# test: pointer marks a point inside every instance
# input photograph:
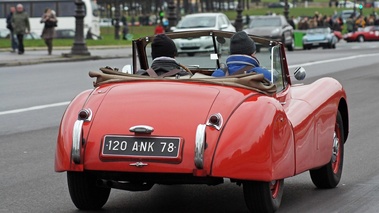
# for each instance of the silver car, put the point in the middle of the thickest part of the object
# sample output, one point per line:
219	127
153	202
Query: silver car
272	27
200	21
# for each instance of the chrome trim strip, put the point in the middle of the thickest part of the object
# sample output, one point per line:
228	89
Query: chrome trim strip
76	141
141	129
199	146
138	164
219	116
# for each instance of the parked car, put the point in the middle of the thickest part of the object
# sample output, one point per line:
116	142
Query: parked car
64	33
32	36
200	21
105	22
345	14
369	33
272	27
319	37
347	4
279	5
4	33
131	132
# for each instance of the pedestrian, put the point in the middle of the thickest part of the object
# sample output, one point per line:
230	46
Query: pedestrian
50	22
11	31
350	23
292	22
159	29
21	26
125	27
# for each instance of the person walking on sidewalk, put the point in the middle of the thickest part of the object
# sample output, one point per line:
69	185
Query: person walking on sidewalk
50	22
21	25
11	31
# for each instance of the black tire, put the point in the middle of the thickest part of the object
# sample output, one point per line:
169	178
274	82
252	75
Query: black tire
291	46
263	196
329	175
361	38
84	193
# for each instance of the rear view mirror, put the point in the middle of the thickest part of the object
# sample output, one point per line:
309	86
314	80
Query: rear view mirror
300	73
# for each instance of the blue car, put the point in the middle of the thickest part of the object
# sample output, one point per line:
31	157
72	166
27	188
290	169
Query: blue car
319	37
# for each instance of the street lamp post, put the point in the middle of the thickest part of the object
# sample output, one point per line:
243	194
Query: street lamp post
238	22
79	47
171	15
286	11
117	21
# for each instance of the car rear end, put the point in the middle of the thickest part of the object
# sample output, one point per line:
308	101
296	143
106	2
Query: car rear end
141	131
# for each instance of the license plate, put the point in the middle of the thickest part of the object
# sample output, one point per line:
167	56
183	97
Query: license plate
189	45
141	146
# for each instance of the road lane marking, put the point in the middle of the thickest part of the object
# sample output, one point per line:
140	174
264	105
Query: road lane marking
34	108
333	60
292	66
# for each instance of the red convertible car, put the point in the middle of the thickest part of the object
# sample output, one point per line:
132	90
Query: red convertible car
131	132
369	33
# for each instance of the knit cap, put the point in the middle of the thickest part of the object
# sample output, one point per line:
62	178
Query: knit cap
241	43
163	46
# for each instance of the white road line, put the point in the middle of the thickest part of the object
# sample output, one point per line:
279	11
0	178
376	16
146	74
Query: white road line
292	66
333	60
34	108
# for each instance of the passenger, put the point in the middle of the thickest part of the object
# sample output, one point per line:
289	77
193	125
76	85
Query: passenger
242	58
163	52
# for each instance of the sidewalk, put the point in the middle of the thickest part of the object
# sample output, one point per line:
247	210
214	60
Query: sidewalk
39	55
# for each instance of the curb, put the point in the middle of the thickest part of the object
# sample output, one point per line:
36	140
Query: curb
69	48
57	60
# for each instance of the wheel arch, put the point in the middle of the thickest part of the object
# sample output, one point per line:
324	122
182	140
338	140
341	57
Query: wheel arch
342	107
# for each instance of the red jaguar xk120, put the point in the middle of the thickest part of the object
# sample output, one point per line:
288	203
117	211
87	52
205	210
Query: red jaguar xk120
132	131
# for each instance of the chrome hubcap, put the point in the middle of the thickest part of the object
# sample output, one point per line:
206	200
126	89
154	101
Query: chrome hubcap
335	148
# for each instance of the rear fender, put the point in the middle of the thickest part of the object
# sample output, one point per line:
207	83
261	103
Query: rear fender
64	141
256	143
64	161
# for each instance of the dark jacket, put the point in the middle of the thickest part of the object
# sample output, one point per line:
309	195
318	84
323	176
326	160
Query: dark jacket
237	62
9	21
163	65
20	22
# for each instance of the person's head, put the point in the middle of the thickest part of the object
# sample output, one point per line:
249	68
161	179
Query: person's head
20	8
242	44
163	46
13	9
47	10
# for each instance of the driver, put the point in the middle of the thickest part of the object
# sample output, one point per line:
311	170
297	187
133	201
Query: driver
242	59
163	52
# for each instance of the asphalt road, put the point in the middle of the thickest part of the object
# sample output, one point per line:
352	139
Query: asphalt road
33	99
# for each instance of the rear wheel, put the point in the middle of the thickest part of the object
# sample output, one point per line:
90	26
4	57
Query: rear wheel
84	192
329	175
263	196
